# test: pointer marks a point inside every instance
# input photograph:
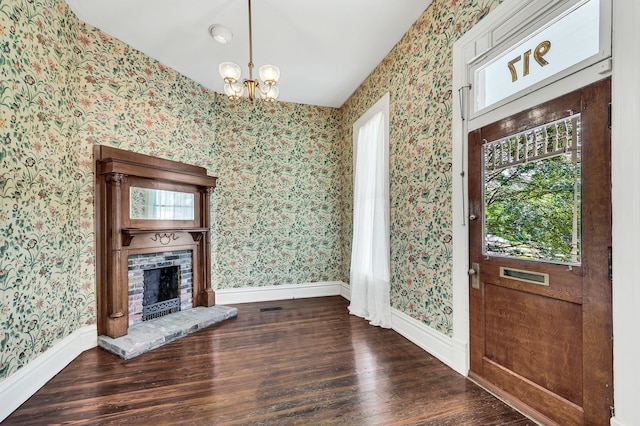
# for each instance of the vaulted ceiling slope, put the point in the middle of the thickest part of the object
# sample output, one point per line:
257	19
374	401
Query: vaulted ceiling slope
324	48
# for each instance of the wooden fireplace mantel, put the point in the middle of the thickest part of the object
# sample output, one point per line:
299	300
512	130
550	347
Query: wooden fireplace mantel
118	235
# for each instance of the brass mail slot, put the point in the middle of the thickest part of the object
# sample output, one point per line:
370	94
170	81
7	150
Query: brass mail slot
525	276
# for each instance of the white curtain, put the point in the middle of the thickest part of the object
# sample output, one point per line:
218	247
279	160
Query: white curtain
369	278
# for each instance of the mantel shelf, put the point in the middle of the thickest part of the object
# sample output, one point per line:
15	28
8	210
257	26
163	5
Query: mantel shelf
129	233
138	231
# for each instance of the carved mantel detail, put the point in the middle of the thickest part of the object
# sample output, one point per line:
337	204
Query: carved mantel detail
115	178
164	238
119	235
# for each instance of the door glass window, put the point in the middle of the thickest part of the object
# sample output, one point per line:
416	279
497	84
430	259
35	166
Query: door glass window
532	193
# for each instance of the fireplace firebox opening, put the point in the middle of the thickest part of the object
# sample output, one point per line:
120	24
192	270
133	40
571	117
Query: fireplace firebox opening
159	283
161	294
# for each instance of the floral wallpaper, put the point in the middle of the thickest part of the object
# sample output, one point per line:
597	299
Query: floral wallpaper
418	75
282	211
46	233
278	194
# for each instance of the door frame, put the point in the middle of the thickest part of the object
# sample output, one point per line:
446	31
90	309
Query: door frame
468	51
625	157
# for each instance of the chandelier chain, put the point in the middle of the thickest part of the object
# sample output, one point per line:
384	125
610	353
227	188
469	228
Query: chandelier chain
250	45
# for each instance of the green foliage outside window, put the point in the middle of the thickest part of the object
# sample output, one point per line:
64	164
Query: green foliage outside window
530	209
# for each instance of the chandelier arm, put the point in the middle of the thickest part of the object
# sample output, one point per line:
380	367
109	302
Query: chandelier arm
262	91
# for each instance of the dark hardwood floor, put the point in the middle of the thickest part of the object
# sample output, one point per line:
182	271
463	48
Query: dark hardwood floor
308	362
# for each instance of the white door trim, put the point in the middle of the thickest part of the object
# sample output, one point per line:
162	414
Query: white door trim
495	31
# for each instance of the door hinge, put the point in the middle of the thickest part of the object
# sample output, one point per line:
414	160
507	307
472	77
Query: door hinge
610	260
612	411
609	115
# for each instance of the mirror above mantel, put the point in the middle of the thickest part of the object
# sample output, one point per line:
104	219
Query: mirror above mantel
147	204
160	204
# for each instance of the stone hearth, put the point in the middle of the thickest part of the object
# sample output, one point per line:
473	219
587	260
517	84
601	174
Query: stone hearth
148	335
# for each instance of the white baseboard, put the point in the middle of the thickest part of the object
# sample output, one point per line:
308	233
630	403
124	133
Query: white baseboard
345	291
20	386
230	296
450	351
459	356
616	422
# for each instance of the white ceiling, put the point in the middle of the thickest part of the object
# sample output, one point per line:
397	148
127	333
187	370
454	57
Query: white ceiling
324	48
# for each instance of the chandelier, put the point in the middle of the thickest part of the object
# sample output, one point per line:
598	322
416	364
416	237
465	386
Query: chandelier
269	74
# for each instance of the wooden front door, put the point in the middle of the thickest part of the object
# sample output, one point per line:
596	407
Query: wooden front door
540	242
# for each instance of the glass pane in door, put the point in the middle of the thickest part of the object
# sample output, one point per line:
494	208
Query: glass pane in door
532	193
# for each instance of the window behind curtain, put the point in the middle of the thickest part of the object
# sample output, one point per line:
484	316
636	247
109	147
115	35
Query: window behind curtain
369	278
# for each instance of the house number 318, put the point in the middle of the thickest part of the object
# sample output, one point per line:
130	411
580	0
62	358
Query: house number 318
541	50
